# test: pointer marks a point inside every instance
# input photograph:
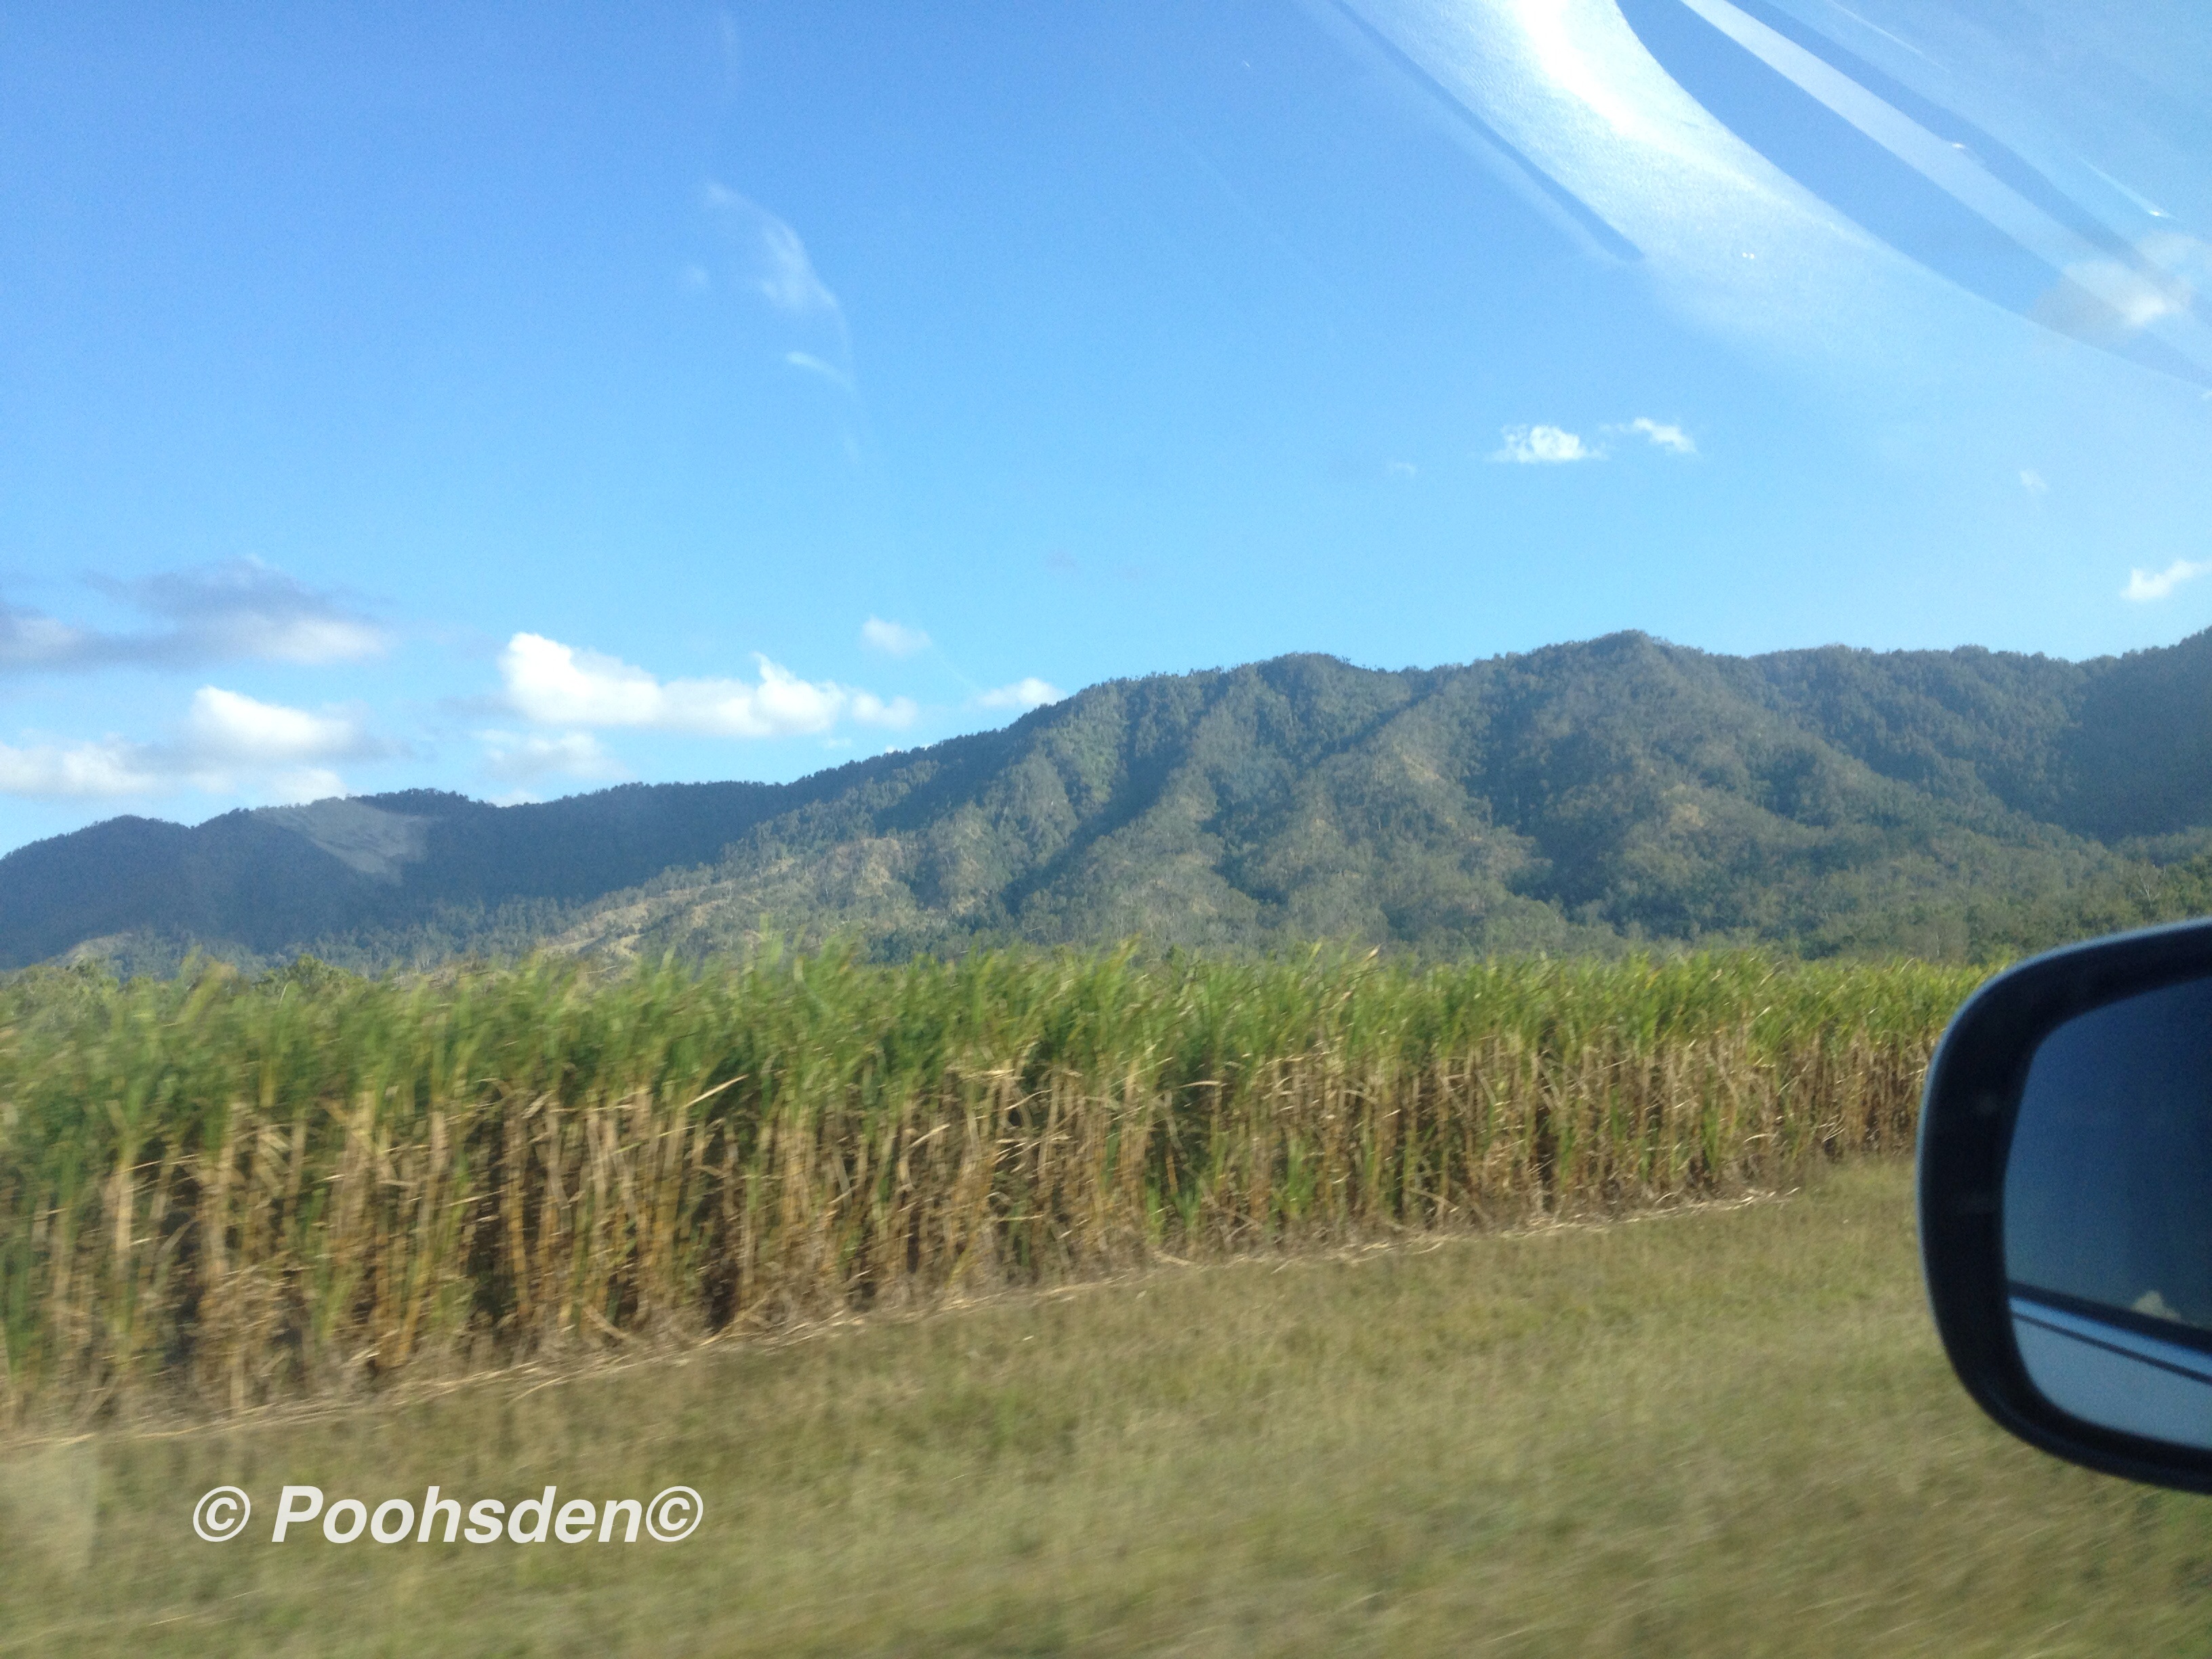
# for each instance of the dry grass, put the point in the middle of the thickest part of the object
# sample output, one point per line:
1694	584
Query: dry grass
214	1195
1728	1431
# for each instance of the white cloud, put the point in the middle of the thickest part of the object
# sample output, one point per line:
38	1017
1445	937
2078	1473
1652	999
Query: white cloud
777	265
248	609
525	757
308	640
556	684
2144	587
1670	438
2032	482
29	640
763	259
814	365
1538	445
1401	468
240	611
1024	693
788	278
110	767
229	727
227	742
892	639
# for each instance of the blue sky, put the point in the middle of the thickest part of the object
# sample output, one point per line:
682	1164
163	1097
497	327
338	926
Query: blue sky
521	399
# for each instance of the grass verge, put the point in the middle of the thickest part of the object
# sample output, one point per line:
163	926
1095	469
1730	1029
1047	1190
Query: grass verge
1722	1431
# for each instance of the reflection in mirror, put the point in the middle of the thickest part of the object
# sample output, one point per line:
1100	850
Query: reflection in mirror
2108	1216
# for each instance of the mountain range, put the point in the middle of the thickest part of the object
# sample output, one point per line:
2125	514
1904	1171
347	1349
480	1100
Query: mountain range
1601	795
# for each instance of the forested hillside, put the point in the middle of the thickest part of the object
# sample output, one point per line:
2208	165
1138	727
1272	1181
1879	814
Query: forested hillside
1960	804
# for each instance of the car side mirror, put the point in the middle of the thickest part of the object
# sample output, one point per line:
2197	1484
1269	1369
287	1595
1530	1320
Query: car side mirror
2065	1198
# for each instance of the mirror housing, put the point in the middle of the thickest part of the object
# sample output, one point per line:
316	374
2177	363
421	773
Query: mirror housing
1977	1084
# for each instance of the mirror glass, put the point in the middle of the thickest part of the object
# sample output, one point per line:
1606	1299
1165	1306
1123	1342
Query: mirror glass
2107	1214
